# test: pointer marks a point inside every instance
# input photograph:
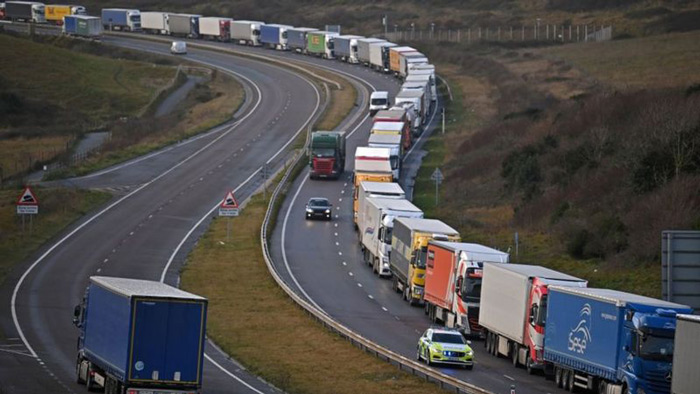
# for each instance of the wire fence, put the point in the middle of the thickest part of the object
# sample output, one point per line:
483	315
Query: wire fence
543	33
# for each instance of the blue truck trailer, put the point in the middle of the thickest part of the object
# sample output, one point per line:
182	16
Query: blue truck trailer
296	38
274	36
121	19
139	336
610	341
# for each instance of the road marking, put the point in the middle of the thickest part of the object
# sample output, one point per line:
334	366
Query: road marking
508	377
351	274
336	234
337	244
384	309
344	263
340	253
340	199
131	233
370	296
224	370
106	260
98	270
336	225
359	284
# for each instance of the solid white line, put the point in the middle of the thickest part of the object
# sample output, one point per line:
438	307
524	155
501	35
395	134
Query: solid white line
224	370
13	301
437	105
16	352
508	377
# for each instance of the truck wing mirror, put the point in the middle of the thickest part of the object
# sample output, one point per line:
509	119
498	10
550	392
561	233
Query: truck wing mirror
76	315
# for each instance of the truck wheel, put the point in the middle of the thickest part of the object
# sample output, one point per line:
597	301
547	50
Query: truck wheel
78	379
557	376
89	381
528	364
514	354
565	379
572	380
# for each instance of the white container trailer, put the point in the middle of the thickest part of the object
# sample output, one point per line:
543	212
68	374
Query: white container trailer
429	69
686	379
393	143
422	86
246	32
408	59
363	49
155	22
417	99
379	55
376	223
215	28
423	78
367	189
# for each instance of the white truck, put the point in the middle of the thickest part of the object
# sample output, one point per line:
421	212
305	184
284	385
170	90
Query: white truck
369	188
408	59
215	28
378	101
425	69
363	49
420	86
686	379
379	55
246	32
155	22
416	98
345	48
393	143
376	225
411	118
423	78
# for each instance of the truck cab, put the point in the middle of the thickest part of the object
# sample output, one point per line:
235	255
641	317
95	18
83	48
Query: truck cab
378	101
327	156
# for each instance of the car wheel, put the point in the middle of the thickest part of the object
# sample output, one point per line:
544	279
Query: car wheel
418	354
427	357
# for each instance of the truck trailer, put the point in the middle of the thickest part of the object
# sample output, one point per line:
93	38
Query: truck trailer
453	283
215	28
420	86
610	341
376	224
417	100
121	19
275	36
345	48
55	13
686	347
139	336
429	69
82	26
407	59
379	55
367	189
393	143
363	49
371	164
246	32
184	25
513	309
155	22
427	80
393	128
327	156
395	60
297	38
25	11
409	246
320	43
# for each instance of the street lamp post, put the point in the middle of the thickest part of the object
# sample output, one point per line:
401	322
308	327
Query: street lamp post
432	30
537	32
413	30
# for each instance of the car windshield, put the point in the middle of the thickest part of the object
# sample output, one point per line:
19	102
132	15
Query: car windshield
448	338
378	101
318	202
654	347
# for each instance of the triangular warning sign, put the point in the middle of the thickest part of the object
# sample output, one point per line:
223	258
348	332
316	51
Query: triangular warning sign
27	198
229	201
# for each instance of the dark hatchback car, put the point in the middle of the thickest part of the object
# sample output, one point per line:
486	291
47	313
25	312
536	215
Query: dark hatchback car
319	208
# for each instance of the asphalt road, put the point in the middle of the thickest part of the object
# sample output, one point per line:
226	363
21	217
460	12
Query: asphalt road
143	233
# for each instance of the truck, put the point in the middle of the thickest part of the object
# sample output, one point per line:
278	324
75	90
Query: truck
274	36
393	143
55	13
417	100
394	57
429	69
138	336
320	43
393	128
246	32
297	40
686	347
453	283
2	11
425	79
363	49
611	341
420	86
367	189
407	59
82	26
346	48
513	310
371	164
155	22
25	11
215	28
121	19
403	112
376	224
184	25
409	246
379	55
327	155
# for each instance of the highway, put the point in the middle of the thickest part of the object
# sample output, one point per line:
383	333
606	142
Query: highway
160	201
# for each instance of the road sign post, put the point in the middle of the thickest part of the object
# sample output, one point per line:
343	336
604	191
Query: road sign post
437	177
228	208
27	204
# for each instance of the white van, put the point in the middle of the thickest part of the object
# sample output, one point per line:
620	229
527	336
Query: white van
378	101
178	48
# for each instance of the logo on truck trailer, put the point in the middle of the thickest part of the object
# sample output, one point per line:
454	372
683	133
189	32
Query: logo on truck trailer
580	335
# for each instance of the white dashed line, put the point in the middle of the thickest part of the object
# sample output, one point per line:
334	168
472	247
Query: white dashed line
105	260
359	285
508	377
336	225
131	233
98	270
344	263
340	199
340	253
337	244
351	274
336	234
370	296
342	192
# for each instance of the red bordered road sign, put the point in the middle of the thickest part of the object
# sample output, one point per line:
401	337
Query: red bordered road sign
229	206
27	203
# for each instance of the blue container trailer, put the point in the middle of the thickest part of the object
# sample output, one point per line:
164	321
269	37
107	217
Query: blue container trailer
274	36
296	38
121	19
138	335
610	341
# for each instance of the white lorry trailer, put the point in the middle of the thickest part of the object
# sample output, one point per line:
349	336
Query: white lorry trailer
363	49
246	32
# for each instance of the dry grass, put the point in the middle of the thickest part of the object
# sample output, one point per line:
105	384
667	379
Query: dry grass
664	61
251	318
19	154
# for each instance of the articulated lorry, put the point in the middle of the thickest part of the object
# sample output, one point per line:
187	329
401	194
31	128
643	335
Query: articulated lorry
155	22
513	310
215	28
297	38
393	143
367	189
184	25
403	113
422	86
408	59
391	127
246	32
395	57
363	49
25	11
55	13
139	337
409	246
424	69
82	26
423	78
274	36
686	347
373	165
346	48
611	342
320	43
453	283
379	55
376	224
121	19
327	156
417	100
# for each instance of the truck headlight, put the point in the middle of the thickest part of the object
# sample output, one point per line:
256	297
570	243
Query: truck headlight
386	265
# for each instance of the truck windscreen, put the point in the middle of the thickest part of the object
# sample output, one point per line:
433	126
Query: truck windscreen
320	152
654	347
